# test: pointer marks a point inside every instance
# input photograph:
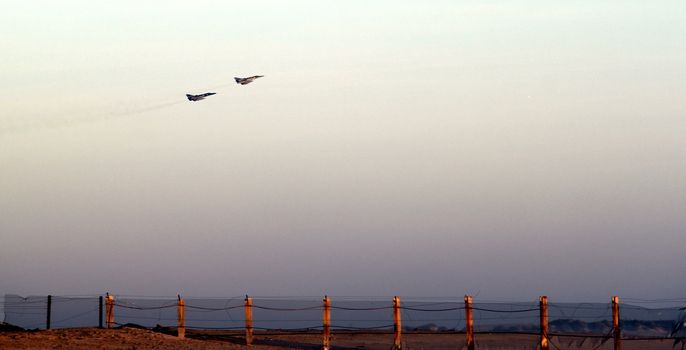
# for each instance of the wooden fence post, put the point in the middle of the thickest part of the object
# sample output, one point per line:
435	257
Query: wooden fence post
109	310
181	313
100	311
326	333
47	318
248	320
616	331
469	321
543	305
397	325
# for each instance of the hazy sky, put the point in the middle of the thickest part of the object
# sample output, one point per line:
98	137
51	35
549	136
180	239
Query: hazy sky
426	148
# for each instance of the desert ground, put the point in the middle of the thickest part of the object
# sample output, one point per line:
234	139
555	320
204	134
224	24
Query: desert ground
139	339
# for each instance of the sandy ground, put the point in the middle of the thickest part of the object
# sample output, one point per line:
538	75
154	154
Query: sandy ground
131	338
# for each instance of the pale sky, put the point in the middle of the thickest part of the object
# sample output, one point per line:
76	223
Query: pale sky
426	148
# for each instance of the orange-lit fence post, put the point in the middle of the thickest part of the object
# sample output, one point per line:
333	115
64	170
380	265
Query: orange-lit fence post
248	320
469	321
543	305
181	313
616	331
397	325
109	310
326	332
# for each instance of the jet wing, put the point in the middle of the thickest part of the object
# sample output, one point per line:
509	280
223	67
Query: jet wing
248	80
199	97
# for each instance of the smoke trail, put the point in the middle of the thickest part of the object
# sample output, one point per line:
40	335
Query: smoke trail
143	109
28	126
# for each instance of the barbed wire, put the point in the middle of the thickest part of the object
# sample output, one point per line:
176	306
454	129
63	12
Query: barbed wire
75	316
214	309
361	308
410	308
145	307
504	311
318	307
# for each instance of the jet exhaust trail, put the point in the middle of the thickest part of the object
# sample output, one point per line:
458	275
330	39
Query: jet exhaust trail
27	126
67	122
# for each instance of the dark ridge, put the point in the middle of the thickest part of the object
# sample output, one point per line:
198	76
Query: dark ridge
6	327
164	330
131	325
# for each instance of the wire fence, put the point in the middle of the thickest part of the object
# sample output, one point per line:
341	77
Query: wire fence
567	325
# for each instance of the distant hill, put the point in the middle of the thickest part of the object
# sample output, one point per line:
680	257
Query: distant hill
629	327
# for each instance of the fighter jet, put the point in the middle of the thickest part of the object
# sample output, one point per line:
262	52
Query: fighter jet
248	80
199	97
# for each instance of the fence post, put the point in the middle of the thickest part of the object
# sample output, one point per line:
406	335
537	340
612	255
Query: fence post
469	321
47	319
397	325
100	311
326	333
109	310
181	313
543	305
616	331
248	320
